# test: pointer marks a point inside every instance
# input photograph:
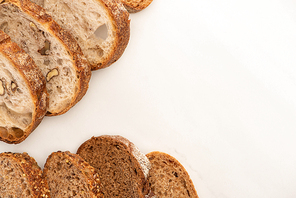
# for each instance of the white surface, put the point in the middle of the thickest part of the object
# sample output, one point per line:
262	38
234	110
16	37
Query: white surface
213	83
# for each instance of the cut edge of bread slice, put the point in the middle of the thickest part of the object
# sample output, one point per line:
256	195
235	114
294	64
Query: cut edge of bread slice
20	176
23	95
101	27
68	175
168	178
52	48
134	6
120	165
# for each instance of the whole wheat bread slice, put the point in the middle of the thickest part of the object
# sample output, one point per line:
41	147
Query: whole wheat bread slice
23	96
68	175
101	27
52	48
168	178
122	168
134	6
20	176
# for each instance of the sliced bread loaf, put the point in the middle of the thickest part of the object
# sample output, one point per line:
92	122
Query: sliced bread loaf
134	6
168	178
68	175
23	96
101	27
122	168
53	49
20	176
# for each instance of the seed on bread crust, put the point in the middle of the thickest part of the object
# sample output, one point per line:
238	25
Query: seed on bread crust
54	72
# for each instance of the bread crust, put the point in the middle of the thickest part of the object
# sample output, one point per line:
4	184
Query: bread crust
140	161
136	5
83	70
174	163
33	78
93	182
121	26
31	171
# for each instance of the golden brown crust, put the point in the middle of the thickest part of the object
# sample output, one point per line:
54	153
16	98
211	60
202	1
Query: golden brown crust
136	5
173	163
121	26
31	171
83	70
34	79
88	172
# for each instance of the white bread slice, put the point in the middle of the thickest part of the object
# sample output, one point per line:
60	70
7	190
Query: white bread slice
168	178
134	6
68	175
122	168
20	176
53	49
23	96
101	27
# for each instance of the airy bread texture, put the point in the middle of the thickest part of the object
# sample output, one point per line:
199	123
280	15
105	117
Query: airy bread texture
134	6
23	96
68	175
101	27
20	176
53	49
122	168
168	178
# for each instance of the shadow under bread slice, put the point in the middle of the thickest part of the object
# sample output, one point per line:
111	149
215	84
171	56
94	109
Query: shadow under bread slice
20	176
53	49
168	178
122	168
23	96
68	175
101	27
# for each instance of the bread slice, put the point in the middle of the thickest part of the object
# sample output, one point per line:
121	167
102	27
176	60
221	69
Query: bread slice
20	176
134	6
168	178
101	27
23	96
53	49
68	175
122	168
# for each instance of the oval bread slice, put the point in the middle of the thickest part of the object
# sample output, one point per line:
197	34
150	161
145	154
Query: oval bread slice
23	96
134	6
101	27
20	176
52	48
68	175
168	178
122	168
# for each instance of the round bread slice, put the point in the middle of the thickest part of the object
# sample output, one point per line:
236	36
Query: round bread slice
101	27
68	175
52	48
20	176
23	96
122	168
168	178
134	6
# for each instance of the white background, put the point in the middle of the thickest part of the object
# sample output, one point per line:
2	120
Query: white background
213	83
